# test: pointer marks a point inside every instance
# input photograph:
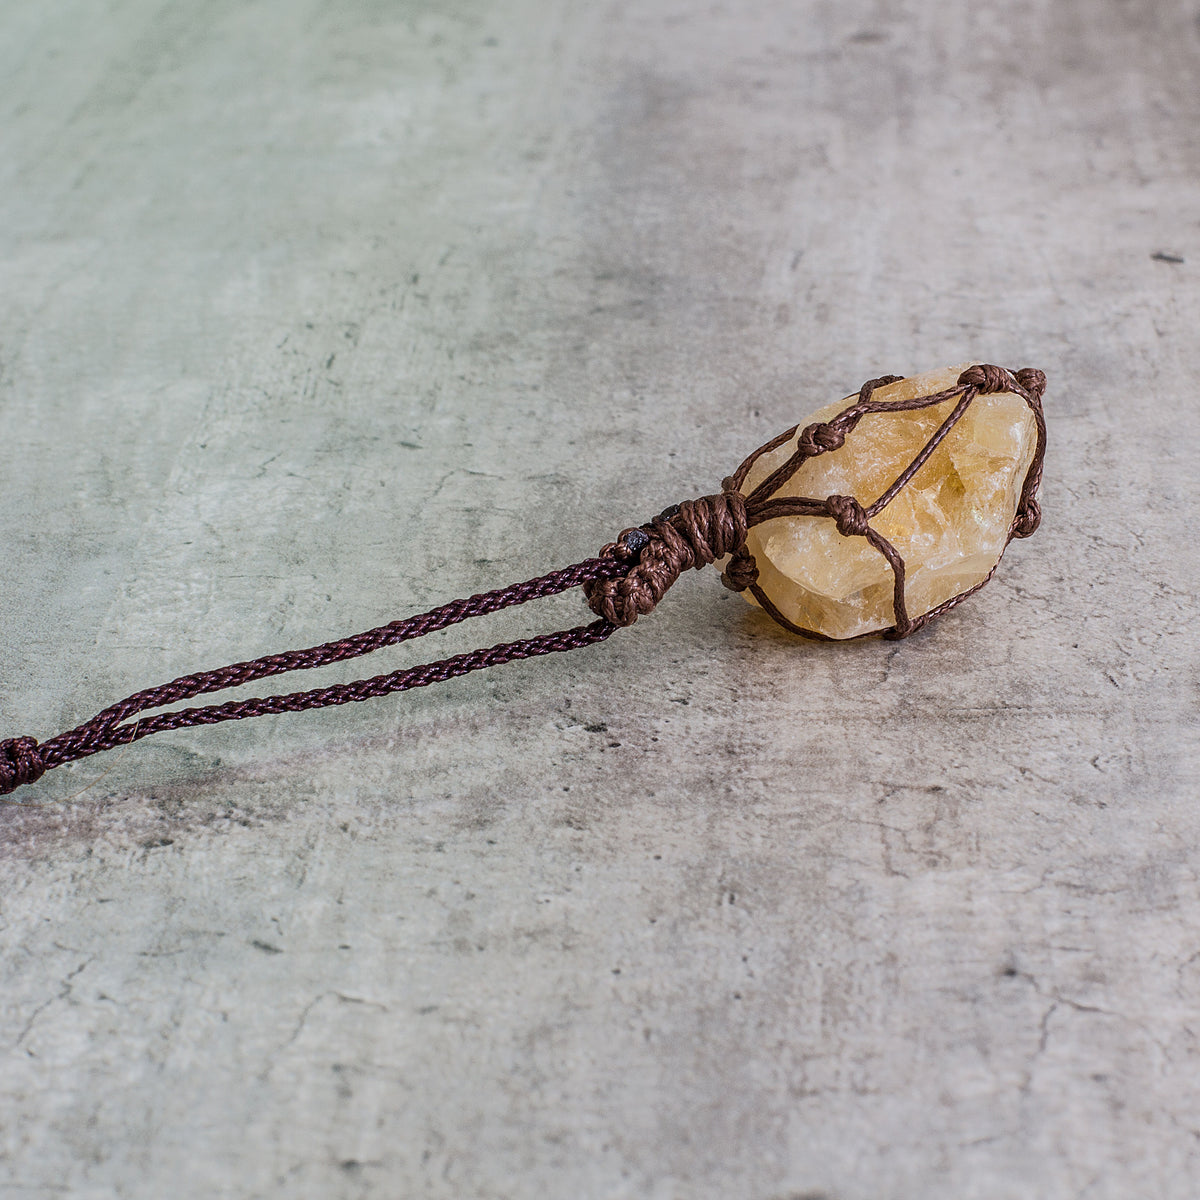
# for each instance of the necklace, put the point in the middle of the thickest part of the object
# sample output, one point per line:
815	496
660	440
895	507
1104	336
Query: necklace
953	459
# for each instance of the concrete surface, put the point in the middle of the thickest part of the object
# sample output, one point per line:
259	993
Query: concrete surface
314	314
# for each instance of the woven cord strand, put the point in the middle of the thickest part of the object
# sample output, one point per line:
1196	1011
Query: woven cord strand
23	760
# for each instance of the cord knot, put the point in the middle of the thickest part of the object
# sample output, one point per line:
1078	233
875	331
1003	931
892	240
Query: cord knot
692	534
1032	380
986	378
741	572
850	516
20	762
1028	518
820	438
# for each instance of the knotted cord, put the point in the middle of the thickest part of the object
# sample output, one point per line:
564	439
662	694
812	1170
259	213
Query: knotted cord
627	580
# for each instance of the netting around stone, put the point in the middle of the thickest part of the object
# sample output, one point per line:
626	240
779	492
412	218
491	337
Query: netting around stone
702	531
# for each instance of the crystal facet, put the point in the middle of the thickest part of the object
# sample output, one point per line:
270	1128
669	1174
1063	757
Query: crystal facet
950	524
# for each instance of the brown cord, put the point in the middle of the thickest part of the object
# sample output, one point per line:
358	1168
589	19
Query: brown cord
627	580
23	760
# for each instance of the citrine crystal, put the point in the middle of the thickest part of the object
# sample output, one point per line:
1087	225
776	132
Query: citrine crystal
950	523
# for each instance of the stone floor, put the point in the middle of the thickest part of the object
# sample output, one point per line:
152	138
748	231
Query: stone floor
315	314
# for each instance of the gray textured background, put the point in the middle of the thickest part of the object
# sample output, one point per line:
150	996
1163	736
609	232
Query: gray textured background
314	314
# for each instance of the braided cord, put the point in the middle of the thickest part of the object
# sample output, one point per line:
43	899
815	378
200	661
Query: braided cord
23	760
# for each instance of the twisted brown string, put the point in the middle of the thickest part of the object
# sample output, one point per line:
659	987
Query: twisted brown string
23	760
626	581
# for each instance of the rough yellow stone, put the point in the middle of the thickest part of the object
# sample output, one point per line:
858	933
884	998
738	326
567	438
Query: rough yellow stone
950	524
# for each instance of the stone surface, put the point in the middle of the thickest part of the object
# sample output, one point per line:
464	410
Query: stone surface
950	523
314	314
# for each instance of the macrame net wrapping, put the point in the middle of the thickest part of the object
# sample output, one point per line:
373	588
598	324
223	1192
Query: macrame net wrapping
699	532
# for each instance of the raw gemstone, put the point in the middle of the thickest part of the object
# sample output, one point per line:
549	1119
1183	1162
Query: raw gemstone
950	523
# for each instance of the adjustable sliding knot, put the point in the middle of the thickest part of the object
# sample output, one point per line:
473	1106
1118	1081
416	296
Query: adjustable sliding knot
20	762
692	534
850	516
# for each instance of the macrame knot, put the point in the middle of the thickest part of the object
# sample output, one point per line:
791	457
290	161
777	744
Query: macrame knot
741	572
20	763
820	438
1032	380
692	534
1028	518
850	516
986	378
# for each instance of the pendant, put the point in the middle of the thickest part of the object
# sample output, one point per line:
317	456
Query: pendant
948	524
881	513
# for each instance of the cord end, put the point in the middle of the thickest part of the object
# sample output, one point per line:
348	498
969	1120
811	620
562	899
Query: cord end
20	763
